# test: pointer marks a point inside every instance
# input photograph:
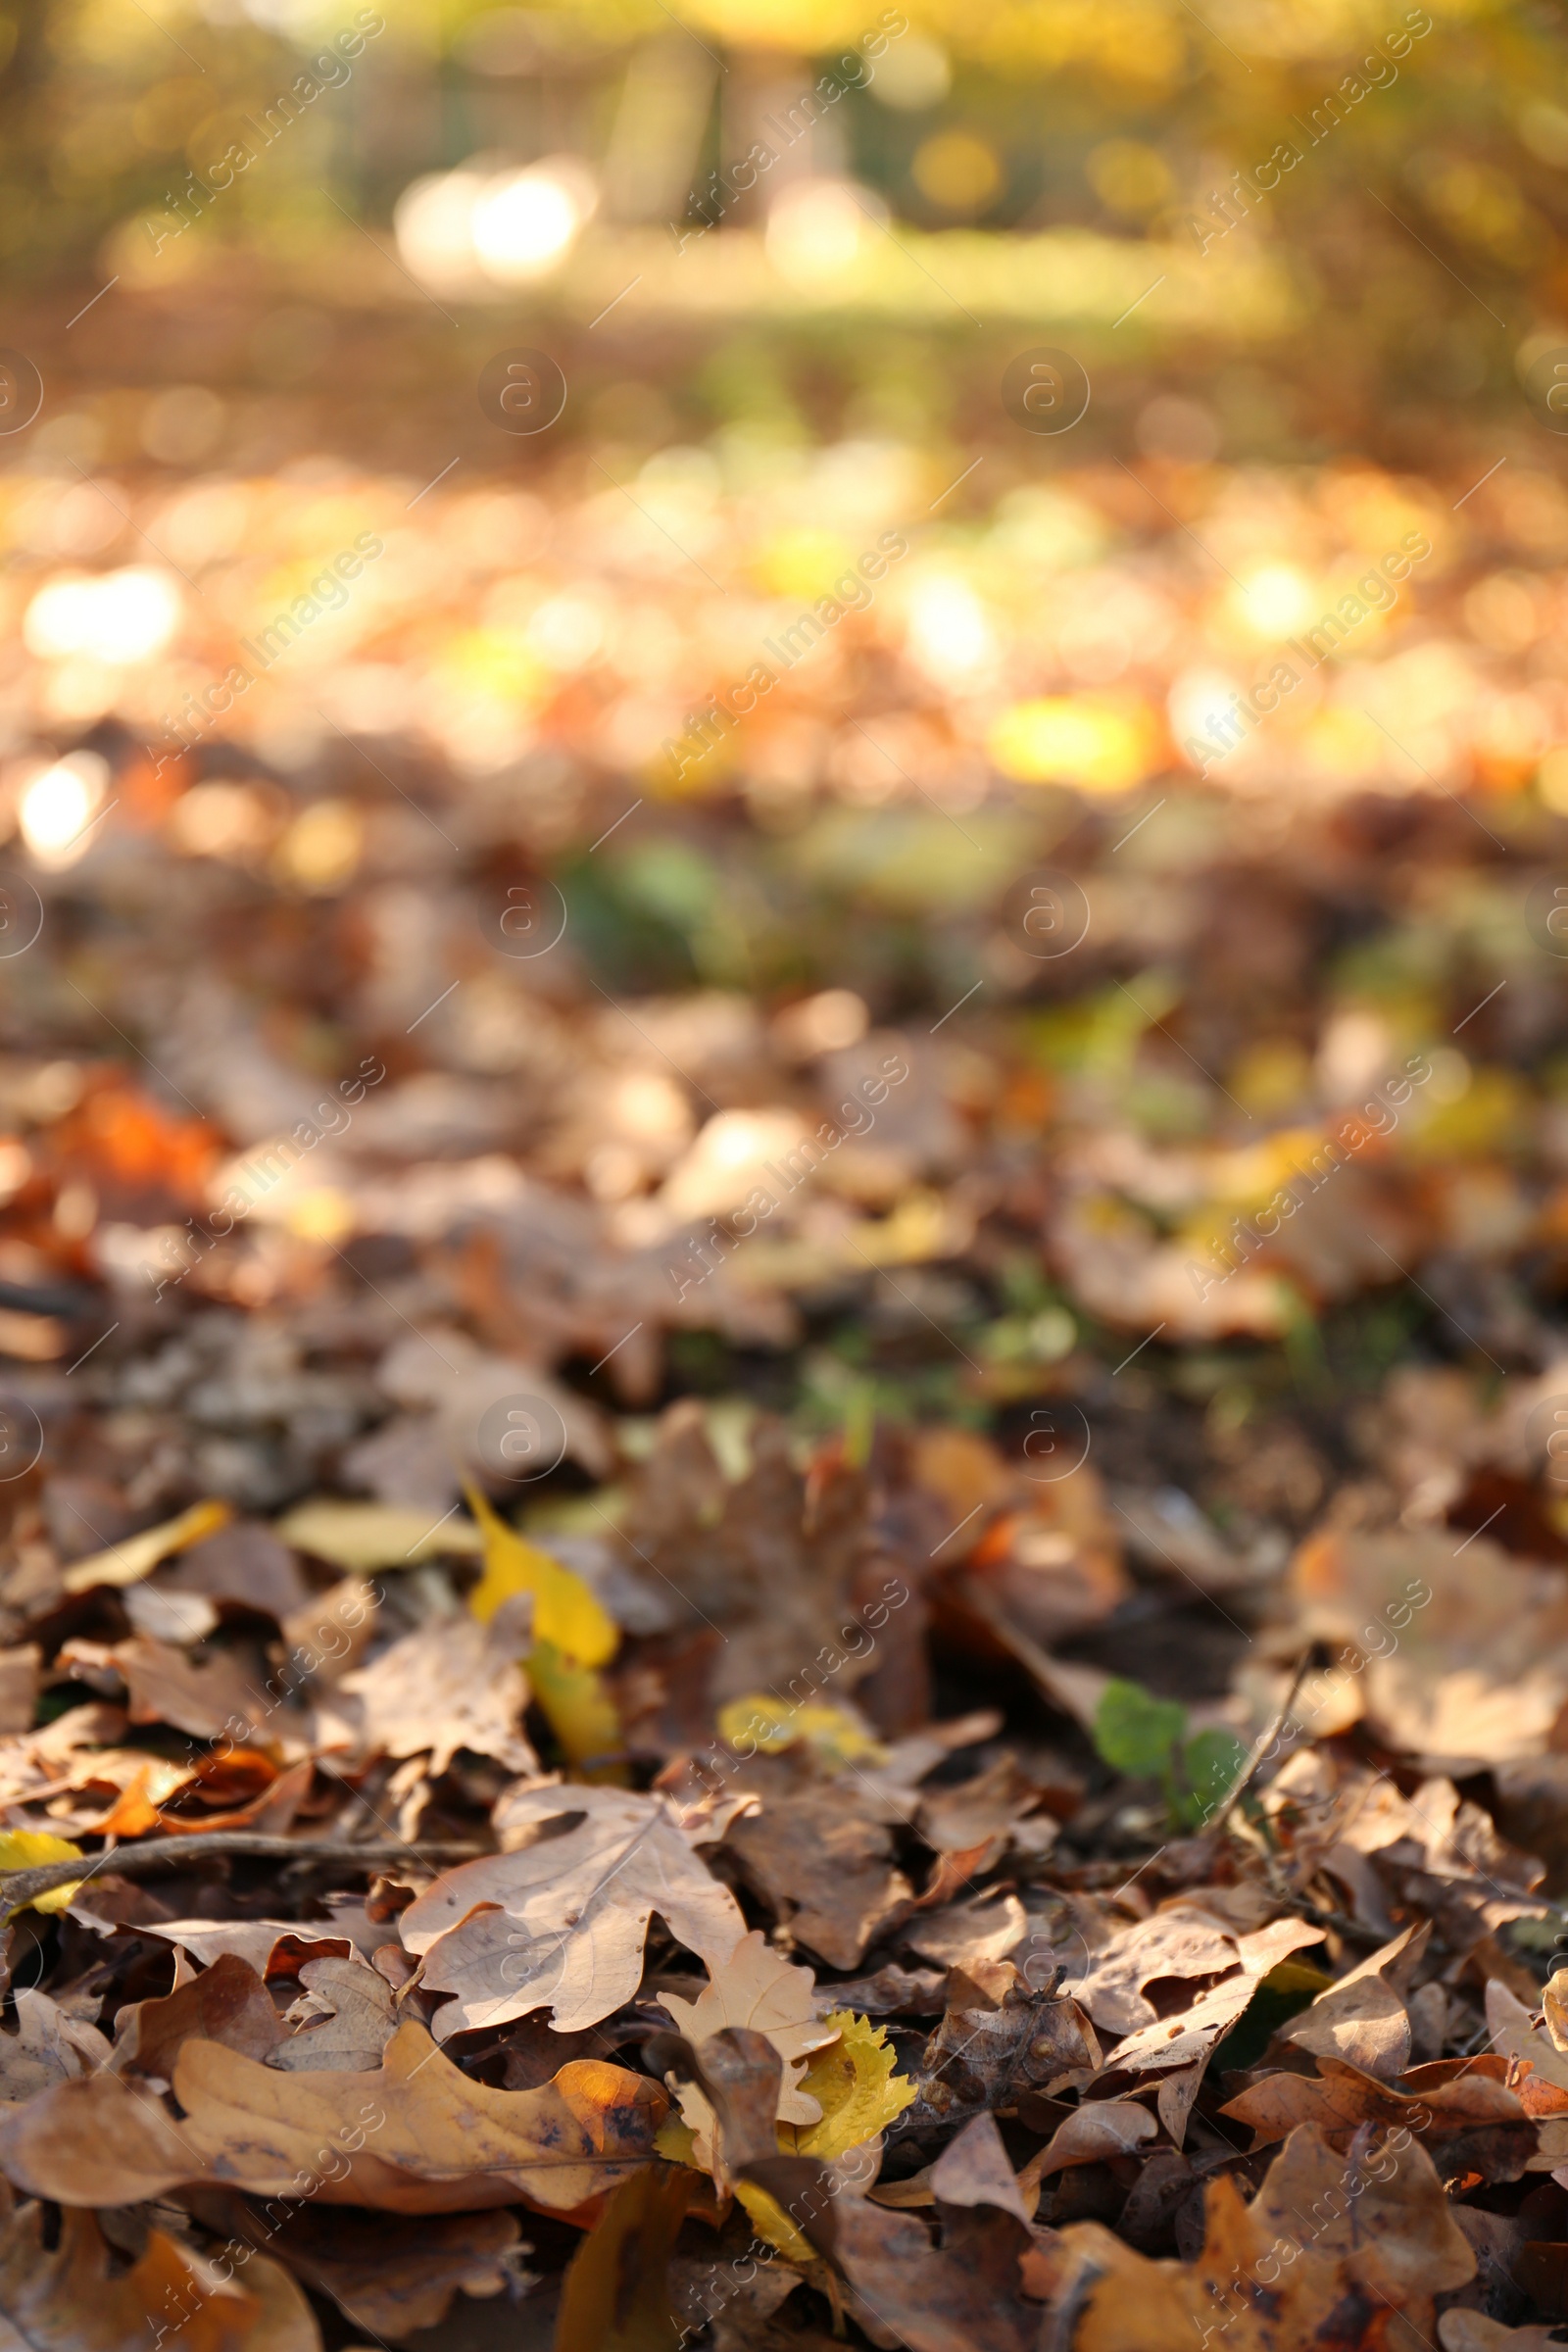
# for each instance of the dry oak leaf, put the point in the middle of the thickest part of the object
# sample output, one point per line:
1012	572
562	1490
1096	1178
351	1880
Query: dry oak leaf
1385	2215
228	2002
63	2298
1363	2018
202	1692
414	2135
1443	2101
1185	2039
1181	1941
823	1861
755	1987
353	2007
48	2047
1472	2331
560	1921
1266	2280
452	1683
966	2296
389	2273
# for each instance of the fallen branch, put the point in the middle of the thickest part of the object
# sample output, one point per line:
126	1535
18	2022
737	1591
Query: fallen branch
20	1886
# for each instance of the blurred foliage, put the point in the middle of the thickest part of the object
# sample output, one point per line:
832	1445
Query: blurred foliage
1420	235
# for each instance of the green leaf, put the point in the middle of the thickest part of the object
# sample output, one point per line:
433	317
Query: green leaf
1136	1733
1211	1763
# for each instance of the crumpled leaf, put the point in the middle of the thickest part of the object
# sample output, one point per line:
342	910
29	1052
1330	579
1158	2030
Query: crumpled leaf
414	2135
561	1923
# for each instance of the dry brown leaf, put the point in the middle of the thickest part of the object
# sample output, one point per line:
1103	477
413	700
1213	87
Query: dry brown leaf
1476	1674
389	2273
414	2135
823	1862
987	1928
1472	2331
354	2005
1266	2280
49	2046
1102	2127
561	1923
203	1693
1012	2039
228	2002
1394	2230
966	2296
63	2299
1465	2112
452	1683
1363	2018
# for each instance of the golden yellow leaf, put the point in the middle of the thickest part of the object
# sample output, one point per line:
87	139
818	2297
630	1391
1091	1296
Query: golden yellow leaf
853	2083
25	1850
565	1613
760	1723
580	1711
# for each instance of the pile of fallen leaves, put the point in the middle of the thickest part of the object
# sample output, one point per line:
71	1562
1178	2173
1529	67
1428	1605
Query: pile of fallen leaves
419	1929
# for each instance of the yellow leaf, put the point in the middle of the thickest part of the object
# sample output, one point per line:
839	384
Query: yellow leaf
566	1612
772	2224
362	1535
579	1711
25	1850
1100	743
853	2083
137	1556
833	1733
678	2141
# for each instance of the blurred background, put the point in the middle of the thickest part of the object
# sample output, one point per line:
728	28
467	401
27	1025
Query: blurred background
344	722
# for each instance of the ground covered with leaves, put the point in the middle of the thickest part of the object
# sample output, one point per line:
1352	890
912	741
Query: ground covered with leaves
784	1521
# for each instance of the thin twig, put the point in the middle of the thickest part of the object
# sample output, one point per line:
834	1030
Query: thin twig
18	1886
1267	1735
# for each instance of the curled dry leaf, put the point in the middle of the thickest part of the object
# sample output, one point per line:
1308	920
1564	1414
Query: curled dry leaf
414	2135
226	2004
561	1923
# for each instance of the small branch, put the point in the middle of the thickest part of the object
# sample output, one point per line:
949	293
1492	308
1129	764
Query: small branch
1269	1734
18	1886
